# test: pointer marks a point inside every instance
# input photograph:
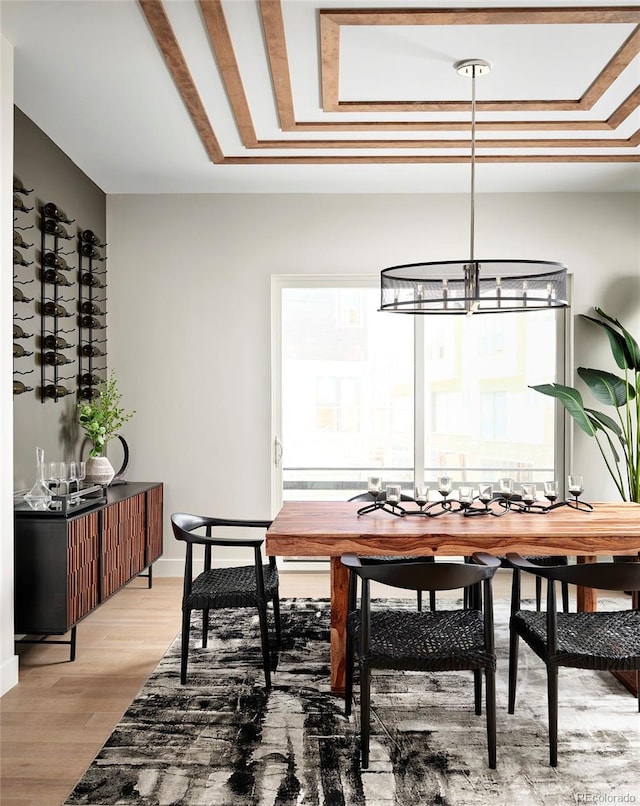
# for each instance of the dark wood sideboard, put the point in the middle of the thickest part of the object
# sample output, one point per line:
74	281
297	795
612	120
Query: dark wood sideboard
65	566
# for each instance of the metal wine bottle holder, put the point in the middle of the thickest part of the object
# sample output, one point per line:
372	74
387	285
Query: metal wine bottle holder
497	506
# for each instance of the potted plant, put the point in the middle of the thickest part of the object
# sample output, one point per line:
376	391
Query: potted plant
101	419
617	435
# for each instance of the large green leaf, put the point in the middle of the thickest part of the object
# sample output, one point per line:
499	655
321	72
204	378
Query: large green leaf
607	422
633	349
571	399
619	348
606	387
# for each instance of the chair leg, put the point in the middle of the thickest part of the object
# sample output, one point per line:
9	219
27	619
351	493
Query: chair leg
264	637
365	708
477	690
348	675
490	681
276	618
432	601
419	596
552	697
638	688
539	592
184	654
205	628
565	597
514	642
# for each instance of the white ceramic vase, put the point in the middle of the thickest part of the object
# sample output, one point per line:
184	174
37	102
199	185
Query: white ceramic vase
99	470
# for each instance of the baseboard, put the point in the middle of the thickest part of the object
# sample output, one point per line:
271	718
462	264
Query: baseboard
9	674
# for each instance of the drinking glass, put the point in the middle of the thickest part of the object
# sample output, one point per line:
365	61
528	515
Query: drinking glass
63	474
421	495
486	493
529	494
551	491
445	485
73	477
393	493
81	474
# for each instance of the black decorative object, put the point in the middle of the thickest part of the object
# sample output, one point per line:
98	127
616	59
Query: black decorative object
56	292
91	313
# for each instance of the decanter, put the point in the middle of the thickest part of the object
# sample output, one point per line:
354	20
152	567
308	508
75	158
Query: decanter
39	496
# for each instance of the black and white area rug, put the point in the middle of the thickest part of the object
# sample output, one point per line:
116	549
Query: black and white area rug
222	740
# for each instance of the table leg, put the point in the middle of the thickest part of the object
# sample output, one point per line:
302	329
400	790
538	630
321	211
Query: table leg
339	604
587	598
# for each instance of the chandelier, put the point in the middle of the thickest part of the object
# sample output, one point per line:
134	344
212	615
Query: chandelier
473	286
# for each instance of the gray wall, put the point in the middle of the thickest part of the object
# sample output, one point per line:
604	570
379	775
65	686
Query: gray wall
189	323
41	165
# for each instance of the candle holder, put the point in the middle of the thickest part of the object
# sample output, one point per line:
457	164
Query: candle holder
389	501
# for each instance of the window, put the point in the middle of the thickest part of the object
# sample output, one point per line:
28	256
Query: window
357	391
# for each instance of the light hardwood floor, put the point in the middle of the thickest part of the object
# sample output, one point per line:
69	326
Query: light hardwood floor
60	714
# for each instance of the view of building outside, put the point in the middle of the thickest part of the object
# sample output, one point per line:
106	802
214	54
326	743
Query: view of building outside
348	395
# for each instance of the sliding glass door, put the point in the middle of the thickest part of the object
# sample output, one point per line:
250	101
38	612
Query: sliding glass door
358	392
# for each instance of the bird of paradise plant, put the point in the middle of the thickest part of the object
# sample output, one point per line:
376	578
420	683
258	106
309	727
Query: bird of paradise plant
617	436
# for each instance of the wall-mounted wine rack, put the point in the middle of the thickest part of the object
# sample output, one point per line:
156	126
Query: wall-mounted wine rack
67	350
21	282
92	303
57	298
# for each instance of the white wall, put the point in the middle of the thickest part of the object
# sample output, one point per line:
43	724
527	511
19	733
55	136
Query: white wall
8	658
189	296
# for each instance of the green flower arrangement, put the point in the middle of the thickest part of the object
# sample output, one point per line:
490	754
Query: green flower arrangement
103	417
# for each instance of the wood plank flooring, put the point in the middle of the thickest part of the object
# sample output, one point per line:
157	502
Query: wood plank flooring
57	718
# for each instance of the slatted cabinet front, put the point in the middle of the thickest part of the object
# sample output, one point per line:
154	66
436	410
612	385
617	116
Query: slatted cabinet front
123	542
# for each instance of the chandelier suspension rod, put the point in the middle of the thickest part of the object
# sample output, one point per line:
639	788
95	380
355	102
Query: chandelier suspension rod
473	165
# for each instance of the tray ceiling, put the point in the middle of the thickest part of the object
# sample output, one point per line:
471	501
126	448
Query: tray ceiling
299	95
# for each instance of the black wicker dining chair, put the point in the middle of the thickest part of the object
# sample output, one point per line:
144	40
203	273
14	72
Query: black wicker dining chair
390	637
606	641
399	559
252	585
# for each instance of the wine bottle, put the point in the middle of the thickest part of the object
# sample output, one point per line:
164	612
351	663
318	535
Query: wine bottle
55	261
20	352
56	343
89	393
18	187
89	236
88	379
18	296
18	333
90	251
18	259
19	388
87	278
92	323
51	390
55	359
54	309
53	228
90	350
19	241
18	204
53	276
89	307
53	211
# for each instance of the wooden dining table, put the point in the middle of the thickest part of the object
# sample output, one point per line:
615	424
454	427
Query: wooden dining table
333	528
